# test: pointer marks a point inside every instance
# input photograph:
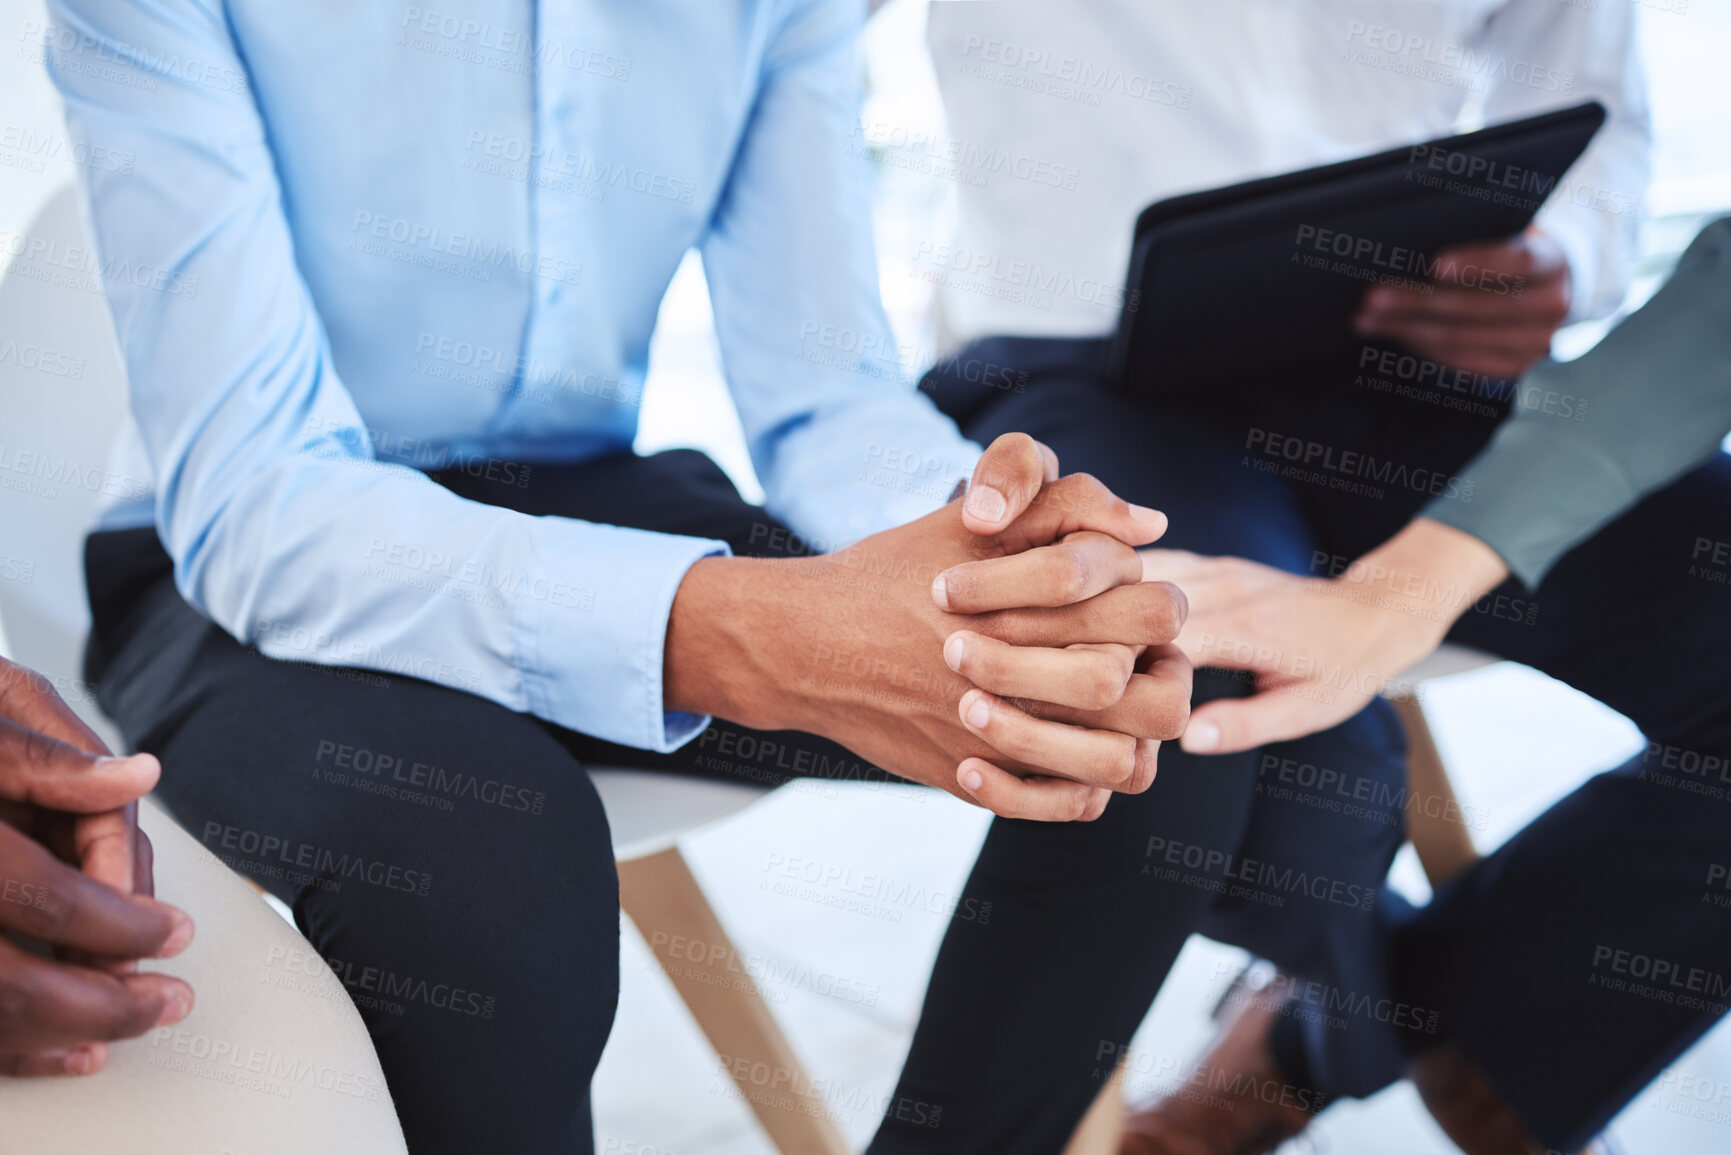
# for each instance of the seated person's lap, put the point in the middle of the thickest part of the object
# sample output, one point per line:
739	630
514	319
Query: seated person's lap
1634	616
1637	616
448	856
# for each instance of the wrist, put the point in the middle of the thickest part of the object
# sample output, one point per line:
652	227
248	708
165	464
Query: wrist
728	640
1427	575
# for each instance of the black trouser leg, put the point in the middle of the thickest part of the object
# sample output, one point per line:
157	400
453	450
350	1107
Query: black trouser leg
1592	948
1029	1012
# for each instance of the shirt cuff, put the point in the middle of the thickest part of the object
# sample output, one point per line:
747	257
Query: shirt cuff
914	499
834	512
591	630
1539	493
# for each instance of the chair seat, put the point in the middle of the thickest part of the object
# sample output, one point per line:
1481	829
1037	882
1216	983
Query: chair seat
649	812
274	1056
1446	659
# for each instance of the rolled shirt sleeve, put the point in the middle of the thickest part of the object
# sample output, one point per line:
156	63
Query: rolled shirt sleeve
283	528
1653	401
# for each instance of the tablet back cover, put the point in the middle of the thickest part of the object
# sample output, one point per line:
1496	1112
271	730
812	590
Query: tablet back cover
1259	281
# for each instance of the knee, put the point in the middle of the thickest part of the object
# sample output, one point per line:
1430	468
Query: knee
1375	737
523	913
1348	786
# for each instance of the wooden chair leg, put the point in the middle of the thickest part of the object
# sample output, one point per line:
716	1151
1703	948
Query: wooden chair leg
1102	1128
662	897
1436	825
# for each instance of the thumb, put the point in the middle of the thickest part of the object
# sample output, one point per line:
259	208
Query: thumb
1232	725
42	771
1006	478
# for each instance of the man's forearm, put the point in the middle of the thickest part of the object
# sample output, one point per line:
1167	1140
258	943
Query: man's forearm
730	618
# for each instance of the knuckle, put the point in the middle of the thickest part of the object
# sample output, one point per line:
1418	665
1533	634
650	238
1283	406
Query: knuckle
1011	627
54	911
1074	493
18	998
1126	765
1018	455
1105	685
985	664
1090	490
39	749
1161	711
1071	573
1180	605
1151	765
960	584
1177	719
131	1015
1160	616
1143	777
1118	768
23	683
1171	717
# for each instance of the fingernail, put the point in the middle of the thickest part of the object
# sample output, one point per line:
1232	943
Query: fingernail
1200	738
986	503
941	591
971	780
80	1062
177	938
179	1005
110	762
1147	516
979	711
954	651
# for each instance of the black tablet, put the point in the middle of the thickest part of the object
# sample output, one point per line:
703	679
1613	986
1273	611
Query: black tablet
1259	281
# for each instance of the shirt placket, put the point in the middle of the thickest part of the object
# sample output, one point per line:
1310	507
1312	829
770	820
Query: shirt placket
539	396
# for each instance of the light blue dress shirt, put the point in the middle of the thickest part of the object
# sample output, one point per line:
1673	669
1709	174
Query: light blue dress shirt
360	237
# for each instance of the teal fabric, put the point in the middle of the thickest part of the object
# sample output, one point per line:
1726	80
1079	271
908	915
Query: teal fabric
1590	437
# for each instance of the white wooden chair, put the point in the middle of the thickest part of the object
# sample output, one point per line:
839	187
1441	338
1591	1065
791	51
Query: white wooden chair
1443	842
258	1063
649	813
273	1057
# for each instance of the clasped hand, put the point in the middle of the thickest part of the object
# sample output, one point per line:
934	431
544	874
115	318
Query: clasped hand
75	874
1003	648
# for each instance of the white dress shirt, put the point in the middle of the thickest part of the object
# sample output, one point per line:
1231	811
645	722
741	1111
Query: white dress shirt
1105	106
